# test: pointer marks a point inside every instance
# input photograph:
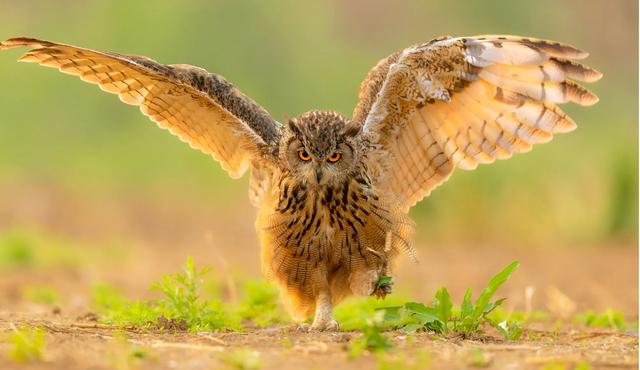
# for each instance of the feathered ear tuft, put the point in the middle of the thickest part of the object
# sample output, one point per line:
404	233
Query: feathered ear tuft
351	129
292	123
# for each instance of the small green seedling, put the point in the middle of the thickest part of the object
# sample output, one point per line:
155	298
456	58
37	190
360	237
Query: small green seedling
16	250
372	339
41	294
27	344
499	314
563	366
477	358
242	359
610	319
510	330
393	360
582	366
124	355
440	316
30	249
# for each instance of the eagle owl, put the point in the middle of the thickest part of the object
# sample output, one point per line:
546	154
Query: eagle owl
333	192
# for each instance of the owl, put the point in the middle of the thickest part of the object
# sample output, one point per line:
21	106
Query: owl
333	192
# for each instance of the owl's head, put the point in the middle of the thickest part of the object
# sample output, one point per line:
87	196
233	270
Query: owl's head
321	148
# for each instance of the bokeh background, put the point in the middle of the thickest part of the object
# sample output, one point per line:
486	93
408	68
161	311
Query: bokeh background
81	168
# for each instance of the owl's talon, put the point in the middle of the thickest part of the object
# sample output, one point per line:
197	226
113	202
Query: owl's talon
328	325
304	327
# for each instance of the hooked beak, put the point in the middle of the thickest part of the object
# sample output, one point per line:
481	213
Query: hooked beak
318	174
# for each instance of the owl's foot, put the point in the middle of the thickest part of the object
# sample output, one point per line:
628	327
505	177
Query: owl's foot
383	287
319	325
324	325
323	319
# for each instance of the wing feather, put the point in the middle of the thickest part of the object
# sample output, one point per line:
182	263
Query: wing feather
460	102
200	108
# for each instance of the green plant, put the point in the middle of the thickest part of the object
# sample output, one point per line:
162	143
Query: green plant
440	317
372	339
352	314
180	307
25	249
477	358
27	344
384	281
611	319
124	355
40	294
242	359
181	301
510	330
114	308
392	360
582	366
16	250
261	304
499	314
554	366
563	366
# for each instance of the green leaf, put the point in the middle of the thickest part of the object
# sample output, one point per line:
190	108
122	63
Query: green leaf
427	317
391	313
384	281
495	282
437	326
411	328
466	308
442	306
511	330
418	308
493	305
423	313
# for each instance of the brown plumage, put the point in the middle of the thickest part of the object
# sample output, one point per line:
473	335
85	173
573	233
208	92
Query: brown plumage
333	193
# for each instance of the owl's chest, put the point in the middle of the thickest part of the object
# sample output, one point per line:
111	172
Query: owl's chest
324	224
320	215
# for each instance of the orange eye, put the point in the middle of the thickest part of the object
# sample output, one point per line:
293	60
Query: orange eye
334	157
303	155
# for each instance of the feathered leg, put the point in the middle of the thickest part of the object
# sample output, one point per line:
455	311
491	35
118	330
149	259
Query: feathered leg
323	319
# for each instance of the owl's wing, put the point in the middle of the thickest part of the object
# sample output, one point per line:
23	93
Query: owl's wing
458	102
201	108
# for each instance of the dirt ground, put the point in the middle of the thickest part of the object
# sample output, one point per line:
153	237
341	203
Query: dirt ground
158	236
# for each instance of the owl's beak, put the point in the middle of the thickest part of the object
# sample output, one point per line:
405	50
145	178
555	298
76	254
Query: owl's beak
318	174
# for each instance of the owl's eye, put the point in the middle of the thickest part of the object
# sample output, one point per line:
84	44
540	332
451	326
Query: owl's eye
334	157
303	155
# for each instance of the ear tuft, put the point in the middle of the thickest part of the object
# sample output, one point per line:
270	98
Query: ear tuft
351	129
292	123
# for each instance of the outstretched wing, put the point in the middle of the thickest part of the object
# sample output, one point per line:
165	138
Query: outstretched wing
458	102
201	108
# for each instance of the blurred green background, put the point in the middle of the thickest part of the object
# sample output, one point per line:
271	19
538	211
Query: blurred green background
293	56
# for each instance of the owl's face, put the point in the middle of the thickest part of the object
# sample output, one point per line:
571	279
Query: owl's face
321	148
